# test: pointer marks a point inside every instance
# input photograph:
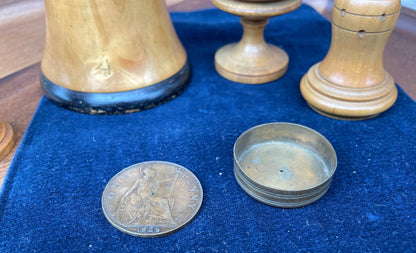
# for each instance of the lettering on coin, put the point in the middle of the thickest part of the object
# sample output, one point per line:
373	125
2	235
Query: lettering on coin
152	199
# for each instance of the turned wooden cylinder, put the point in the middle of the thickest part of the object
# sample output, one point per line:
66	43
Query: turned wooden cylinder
111	56
351	82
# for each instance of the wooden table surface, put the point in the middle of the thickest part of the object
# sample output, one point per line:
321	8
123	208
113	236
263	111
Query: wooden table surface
22	29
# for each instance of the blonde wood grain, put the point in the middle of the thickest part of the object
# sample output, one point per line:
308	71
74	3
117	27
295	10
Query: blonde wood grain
22	31
252	60
351	81
110	46
369	7
6	139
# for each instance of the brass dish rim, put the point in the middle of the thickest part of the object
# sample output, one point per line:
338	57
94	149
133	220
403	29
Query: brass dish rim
282	190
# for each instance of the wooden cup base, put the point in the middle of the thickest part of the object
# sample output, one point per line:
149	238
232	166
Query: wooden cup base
6	139
264	66
252	60
346	103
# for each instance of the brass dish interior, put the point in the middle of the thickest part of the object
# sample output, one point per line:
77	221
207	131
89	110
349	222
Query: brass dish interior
285	156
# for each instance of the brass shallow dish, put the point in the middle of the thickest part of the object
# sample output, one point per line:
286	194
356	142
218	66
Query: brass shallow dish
283	164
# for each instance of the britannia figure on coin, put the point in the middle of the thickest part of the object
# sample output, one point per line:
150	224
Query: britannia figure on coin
148	201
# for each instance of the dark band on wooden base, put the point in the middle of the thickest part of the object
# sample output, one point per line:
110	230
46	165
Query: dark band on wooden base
118	102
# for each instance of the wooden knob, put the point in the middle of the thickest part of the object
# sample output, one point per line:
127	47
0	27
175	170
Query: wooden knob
351	82
6	139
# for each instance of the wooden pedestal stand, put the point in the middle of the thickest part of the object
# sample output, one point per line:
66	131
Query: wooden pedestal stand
351	83
252	60
6	139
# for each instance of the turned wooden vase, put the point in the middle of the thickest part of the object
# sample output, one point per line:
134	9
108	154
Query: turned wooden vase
111	56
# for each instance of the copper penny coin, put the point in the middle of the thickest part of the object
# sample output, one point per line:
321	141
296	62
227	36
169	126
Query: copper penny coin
152	199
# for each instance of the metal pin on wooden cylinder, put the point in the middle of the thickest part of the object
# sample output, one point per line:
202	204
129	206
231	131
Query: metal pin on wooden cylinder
351	82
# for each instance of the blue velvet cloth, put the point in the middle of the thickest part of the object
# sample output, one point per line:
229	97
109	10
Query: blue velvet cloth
50	199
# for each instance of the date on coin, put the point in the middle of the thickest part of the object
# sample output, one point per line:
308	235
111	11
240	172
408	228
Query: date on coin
152	199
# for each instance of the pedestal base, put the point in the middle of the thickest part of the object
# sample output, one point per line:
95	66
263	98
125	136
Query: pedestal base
6	139
347	103
252	60
251	68
117	102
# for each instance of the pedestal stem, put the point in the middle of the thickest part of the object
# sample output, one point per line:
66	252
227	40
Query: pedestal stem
253	36
252	60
